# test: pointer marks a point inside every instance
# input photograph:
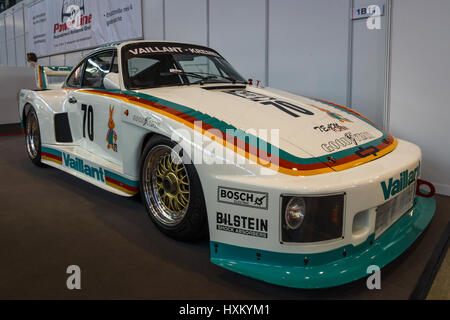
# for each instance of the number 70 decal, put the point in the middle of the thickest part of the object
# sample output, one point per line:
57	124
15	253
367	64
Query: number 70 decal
89	119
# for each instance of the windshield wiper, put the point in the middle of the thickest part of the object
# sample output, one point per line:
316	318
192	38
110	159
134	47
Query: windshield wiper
201	75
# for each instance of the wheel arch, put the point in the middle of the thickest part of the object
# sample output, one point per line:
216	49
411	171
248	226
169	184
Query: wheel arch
26	109
146	139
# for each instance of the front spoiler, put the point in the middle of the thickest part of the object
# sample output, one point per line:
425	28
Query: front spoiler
332	268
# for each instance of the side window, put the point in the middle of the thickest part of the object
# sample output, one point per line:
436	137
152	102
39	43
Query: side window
97	67
75	78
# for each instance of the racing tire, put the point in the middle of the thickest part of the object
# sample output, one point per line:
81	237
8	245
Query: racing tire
33	138
171	191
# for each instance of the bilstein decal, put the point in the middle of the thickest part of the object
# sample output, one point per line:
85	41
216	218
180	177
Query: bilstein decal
392	187
246	198
253	227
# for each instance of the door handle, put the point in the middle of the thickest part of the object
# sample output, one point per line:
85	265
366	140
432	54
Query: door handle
72	100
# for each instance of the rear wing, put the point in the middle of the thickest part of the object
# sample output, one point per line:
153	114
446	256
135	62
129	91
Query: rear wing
44	75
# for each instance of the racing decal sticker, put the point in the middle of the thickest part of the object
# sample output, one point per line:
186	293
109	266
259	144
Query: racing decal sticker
332	114
80	166
287	107
406	178
253	227
255	149
348	140
111	136
51	155
245	198
42	83
90	170
163	48
123	184
335	127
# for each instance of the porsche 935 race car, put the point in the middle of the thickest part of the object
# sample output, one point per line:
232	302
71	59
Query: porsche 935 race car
294	191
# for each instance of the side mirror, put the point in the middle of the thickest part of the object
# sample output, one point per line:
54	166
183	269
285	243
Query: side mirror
111	81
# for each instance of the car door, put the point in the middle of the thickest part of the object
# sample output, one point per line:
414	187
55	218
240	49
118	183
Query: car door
99	115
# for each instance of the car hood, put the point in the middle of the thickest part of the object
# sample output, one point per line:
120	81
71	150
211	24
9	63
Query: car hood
304	130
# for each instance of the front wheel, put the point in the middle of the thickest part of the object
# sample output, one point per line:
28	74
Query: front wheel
171	191
33	138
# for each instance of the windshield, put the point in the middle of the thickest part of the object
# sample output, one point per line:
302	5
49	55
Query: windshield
152	65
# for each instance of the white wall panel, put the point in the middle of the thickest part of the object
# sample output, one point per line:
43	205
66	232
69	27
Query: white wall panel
20	51
11	48
12	80
420	82
186	21
3	53
58	60
19	26
368	64
44	61
2	29
153	19
240	35
308	47
9	20
73	58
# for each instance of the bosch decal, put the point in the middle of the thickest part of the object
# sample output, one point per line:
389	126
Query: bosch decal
244	198
253	227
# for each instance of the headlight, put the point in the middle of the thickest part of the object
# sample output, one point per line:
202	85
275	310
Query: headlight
295	213
312	219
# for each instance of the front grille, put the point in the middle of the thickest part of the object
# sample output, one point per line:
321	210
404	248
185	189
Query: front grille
388	213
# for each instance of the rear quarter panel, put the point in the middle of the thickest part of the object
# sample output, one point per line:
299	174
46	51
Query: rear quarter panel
46	104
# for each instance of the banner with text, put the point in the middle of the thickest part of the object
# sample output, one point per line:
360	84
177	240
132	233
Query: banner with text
58	26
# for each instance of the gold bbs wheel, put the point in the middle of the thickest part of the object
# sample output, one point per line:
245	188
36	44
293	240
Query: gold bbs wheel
166	185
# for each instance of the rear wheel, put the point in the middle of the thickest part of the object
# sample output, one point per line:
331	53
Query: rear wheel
33	137
171	191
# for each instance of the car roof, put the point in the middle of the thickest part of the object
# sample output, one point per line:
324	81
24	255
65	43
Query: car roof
119	45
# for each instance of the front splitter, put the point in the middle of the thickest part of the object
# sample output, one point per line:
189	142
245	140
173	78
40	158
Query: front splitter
332	268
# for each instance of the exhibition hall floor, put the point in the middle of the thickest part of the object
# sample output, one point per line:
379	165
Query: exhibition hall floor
50	220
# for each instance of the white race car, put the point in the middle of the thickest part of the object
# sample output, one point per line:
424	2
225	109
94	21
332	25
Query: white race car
293	191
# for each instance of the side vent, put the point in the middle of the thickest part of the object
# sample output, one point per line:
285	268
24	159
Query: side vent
62	128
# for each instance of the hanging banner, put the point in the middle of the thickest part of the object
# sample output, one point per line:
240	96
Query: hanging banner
58	26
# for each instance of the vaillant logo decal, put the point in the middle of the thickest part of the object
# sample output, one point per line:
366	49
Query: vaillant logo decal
245	198
79	165
393	187
253	227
